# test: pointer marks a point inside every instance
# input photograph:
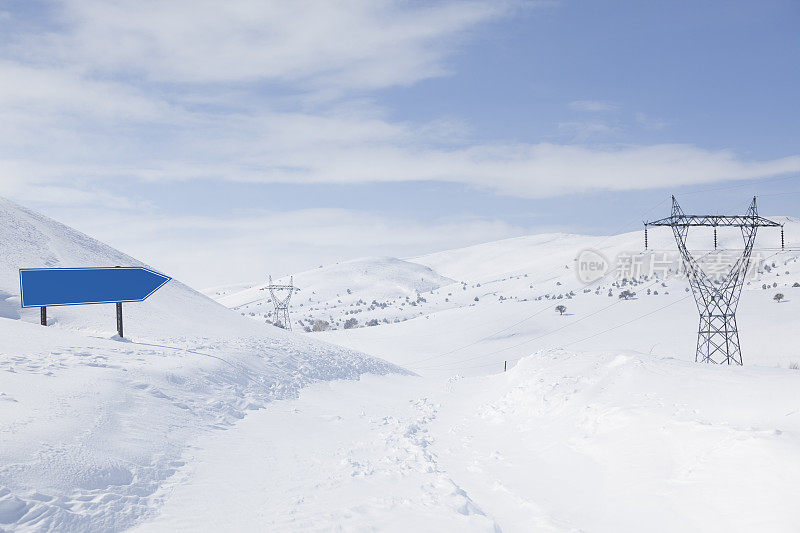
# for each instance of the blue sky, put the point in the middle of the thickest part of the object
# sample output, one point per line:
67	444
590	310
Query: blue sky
223	142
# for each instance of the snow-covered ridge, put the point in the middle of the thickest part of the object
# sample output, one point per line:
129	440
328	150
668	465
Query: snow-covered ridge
602	422
534	268
504	306
327	292
91	425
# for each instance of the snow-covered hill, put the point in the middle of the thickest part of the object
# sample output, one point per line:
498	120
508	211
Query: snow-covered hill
331	293
502	303
91	425
603	421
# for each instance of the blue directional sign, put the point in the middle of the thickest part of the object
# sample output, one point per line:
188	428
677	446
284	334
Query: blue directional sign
45	287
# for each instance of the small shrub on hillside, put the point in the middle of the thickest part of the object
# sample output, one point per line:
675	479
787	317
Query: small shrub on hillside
320	325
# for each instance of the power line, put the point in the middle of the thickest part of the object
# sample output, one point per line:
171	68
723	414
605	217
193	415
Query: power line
569	324
600	332
457	363
596	245
579	340
437	356
593	335
628	322
538	312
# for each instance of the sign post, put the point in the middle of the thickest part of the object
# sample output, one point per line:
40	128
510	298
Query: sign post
119	319
45	287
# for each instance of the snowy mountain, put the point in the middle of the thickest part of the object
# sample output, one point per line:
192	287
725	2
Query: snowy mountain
92	425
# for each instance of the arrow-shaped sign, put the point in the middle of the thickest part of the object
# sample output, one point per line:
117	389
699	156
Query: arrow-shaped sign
45	287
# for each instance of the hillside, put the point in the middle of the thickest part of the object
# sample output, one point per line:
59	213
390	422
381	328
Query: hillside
92	425
591	441
501	304
603	421
329	293
601	409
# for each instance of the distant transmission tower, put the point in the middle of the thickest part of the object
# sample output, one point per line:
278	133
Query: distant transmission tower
717	336
281	317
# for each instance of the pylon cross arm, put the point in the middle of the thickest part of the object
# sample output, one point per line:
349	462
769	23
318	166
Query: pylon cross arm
747	221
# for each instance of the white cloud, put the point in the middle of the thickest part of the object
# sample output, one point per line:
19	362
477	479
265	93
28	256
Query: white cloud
185	90
360	44
68	126
46	90
249	246
362	148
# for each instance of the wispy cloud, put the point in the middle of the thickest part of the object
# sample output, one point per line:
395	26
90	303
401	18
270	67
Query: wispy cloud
356	45
101	93
357	148
186	90
249	246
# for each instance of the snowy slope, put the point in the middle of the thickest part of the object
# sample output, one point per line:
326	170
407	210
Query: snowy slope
603	421
505	308
92	425
502	305
593	441
329	292
514	272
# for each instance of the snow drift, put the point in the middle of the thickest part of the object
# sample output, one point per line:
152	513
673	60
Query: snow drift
90	424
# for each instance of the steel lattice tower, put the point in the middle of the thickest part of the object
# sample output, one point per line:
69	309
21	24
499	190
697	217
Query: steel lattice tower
717	300
281	317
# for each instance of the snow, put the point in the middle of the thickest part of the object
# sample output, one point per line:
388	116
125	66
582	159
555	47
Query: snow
603	422
207	420
473	338
382	277
91	424
562	442
363	463
333	288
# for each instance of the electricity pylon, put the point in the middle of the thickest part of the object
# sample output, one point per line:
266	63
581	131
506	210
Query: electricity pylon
717	300
281	317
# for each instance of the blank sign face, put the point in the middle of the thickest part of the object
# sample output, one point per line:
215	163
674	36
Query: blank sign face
45	287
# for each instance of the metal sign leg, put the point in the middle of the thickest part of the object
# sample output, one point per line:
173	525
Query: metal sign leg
119	319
